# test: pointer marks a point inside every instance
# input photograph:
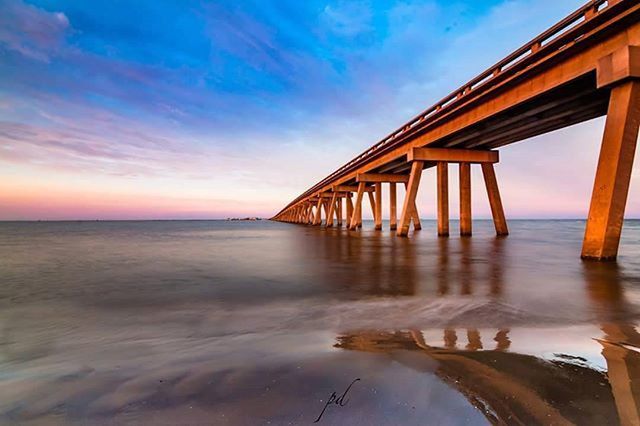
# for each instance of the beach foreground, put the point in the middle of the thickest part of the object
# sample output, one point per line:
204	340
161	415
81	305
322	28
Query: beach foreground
217	322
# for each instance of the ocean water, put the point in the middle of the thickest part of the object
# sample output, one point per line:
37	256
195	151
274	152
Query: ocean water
214	322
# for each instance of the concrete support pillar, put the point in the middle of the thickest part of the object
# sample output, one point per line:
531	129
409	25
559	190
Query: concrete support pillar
609	196
339	211
443	198
318	218
497	211
325	208
357	212
349	211
372	203
331	211
415	217
393	221
409	205
378	206
465	199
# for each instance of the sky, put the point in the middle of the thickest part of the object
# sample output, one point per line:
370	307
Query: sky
187	109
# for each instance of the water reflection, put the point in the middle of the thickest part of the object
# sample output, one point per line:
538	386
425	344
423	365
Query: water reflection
510	387
507	387
620	341
378	264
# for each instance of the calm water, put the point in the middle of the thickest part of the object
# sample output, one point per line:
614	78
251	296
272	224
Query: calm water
259	322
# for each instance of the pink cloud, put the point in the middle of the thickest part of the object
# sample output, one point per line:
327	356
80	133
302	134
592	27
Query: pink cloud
33	32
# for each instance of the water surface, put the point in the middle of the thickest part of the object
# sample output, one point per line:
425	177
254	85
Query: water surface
212	322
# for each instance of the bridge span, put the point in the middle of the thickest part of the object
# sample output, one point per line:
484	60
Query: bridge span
585	66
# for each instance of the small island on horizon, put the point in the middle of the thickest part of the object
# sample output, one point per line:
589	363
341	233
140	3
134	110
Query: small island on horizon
243	218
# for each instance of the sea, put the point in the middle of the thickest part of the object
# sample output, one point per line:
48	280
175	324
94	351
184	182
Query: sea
260	322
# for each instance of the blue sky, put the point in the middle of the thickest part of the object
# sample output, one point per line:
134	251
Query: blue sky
159	109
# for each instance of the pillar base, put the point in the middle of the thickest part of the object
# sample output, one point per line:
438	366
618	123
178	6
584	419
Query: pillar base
590	258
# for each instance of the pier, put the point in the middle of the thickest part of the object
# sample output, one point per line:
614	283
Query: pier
585	66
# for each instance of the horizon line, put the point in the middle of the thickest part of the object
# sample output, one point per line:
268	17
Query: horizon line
256	218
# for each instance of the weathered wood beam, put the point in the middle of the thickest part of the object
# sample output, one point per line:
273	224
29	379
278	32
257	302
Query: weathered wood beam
453	155
443	198
381	177
465	199
493	192
611	186
410	199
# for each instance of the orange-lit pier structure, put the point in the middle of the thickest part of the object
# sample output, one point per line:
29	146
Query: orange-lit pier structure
586	66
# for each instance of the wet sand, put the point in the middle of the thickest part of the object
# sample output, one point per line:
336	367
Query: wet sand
258	323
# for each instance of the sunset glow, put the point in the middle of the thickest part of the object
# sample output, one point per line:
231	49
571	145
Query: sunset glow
197	110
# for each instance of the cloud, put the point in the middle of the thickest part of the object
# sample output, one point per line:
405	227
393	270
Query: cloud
33	32
349	18
259	99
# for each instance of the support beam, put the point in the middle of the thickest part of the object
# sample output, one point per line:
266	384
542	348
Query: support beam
339	211
465	199
415	217
611	186
318	219
325	208
393	220
622	64
372	202
443	198
381	177
332	206
349	212
452	155
358	207
410	199
348	188
497	211
378	207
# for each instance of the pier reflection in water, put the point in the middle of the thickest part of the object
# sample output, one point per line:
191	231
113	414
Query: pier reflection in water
511	387
250	323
